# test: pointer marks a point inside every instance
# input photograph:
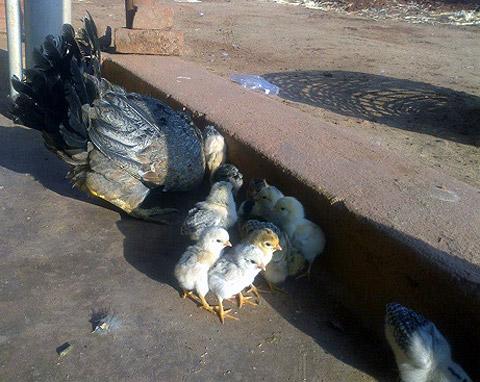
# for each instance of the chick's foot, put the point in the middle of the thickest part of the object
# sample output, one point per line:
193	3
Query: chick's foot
274	288
245	300
222	314
253	289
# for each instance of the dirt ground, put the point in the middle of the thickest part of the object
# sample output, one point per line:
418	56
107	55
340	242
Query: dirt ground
413	88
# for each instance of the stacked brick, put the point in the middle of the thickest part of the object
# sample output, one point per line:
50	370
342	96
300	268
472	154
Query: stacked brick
149	30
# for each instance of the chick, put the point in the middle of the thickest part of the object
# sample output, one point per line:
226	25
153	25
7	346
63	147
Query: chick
296	262
235	271
214	148
191	270
229	173
276	271
265	201
219	210
254	187
422	353
307	237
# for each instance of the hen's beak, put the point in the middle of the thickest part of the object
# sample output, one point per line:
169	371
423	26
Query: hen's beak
227	243
262	267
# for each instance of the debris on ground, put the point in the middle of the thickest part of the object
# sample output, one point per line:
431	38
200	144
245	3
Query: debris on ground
104	322
64	349
254	82
410	11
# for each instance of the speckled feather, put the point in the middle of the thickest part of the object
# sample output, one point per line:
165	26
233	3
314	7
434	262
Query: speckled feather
229	173
143	135
405	323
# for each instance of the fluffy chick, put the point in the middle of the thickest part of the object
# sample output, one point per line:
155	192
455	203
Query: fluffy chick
254	187
235	271
265	201
214	148
276	271
219	210
422	353
191	270
229	173
307	237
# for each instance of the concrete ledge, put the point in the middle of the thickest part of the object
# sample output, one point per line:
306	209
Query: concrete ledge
396	231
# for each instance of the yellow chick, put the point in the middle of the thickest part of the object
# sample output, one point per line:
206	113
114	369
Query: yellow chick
295	262
306	236
265	200
235	271
191	270
214	148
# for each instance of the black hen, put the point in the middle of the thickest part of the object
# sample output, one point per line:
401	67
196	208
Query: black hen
120	145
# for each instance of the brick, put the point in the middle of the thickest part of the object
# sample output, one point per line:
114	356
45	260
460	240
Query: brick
149	41
149	14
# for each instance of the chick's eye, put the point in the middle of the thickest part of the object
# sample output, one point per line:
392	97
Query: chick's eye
282	208
219	241
268	244
252	261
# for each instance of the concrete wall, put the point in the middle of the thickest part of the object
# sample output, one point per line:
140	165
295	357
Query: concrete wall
388	238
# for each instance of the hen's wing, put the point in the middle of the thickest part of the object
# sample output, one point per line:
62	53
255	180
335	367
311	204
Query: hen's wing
150	148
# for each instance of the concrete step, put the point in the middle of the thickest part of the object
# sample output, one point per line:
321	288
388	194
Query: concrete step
396	230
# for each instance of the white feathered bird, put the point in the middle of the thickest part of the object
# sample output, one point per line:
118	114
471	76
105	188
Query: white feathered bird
276	271
235	271
306	236
215	149
422	353
218	210
191	270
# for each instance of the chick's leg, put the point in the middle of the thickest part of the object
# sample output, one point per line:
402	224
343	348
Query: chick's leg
190	295
205	304
223	313
253	289
244	300
274	288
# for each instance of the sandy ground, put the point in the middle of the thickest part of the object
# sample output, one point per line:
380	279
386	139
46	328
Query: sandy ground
411	88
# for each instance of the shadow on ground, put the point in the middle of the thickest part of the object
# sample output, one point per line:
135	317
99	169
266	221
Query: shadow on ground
155	249
404	104
313	307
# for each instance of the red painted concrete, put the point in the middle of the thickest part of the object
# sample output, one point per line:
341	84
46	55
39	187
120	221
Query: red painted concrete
396	230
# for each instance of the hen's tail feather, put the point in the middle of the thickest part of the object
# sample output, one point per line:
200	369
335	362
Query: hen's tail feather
52	93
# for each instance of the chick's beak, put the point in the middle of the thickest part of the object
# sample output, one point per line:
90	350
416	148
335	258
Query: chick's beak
228	244
278	247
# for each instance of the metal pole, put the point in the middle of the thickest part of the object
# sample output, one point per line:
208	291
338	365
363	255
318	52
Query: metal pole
14	40
67	11
41	19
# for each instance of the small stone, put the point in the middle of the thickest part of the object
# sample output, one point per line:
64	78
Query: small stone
64	349
145	41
